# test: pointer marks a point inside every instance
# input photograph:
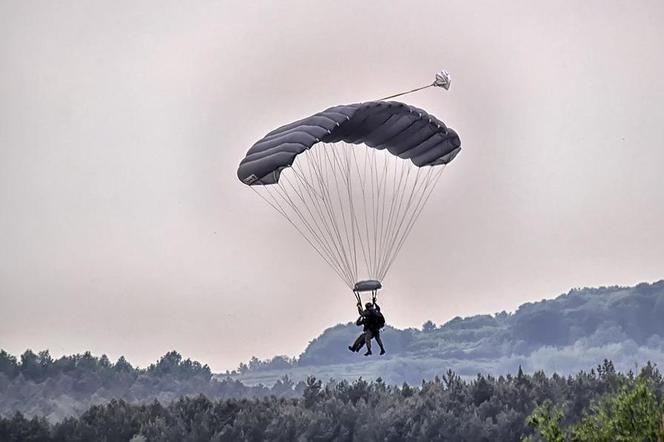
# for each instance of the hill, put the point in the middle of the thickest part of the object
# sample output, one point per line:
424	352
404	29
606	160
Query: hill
564	335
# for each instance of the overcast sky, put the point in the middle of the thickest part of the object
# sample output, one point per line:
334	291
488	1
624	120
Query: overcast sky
123	227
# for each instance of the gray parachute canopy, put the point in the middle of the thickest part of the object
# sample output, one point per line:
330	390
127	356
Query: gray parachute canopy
405	131
354	181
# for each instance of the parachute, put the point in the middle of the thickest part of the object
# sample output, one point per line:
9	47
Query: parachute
353	180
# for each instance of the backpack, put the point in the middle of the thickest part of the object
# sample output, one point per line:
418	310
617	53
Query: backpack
378	319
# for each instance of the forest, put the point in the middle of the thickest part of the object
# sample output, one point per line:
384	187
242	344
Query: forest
508	376
39	385
601	404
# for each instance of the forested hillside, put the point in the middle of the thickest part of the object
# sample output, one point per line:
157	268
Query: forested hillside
38	385
564	335
598	405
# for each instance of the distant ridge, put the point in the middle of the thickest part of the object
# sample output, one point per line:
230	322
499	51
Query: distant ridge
574	331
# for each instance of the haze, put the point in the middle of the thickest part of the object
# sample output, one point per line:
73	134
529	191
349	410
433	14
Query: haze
123	227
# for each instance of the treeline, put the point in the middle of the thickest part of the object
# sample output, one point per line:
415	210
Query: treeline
35	384
38	367
487	408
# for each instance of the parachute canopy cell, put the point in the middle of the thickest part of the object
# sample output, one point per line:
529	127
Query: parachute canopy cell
403	130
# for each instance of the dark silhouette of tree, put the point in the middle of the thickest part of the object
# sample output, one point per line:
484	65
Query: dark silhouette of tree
8	365
428	327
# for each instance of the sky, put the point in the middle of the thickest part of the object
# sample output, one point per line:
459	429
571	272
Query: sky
124	229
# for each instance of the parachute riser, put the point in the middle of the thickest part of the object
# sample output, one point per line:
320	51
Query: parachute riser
358	296
369	285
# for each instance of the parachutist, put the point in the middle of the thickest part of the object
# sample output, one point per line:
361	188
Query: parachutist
373	320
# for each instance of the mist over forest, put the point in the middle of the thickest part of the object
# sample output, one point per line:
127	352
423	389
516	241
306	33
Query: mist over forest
600	405
572	332
566	335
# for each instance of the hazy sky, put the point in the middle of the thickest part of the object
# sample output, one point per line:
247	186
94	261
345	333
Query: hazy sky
123	227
